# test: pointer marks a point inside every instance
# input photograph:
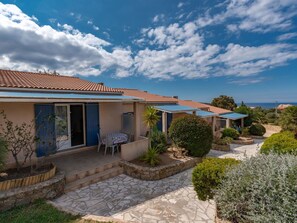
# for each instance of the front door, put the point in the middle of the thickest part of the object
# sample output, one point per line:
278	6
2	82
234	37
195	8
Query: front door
77	125
62	127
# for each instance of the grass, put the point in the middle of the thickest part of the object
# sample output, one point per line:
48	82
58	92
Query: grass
39	212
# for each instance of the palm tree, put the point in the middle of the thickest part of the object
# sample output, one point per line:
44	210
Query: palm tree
151	119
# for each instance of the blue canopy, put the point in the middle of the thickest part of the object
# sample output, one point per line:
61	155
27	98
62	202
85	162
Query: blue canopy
233	116
203	113
174	108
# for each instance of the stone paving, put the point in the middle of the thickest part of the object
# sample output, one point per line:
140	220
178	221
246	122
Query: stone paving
168	200
239	151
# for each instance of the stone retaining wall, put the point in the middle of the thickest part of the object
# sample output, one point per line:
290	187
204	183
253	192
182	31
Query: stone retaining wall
157	173
49	189
221	147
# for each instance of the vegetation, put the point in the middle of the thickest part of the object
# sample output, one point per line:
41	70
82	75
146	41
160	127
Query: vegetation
3	153
280	143
271	117
288	119
20	139
223	141
159	140
243	109
225	102
151	119
257	130
260	189
151	157
245	132
230	132
193	134
207	175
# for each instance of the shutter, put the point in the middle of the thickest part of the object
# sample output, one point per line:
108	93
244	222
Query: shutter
92	123
159	123
45	129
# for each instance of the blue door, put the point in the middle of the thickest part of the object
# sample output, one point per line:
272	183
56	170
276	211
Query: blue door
45	129
92	123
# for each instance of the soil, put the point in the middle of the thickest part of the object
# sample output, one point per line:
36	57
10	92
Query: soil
165	158
25	172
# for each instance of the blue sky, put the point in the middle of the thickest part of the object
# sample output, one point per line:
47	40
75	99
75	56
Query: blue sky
194	49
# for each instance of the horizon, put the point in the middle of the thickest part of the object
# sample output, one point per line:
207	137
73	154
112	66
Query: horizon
196	50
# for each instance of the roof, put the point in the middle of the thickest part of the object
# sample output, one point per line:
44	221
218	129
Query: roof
233	116
45	81
195	104
61	97
205	114
148	97
174	108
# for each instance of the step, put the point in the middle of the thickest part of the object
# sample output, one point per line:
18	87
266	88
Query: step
86	173
115	171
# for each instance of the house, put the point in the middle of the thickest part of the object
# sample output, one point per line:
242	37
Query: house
83	108
171	108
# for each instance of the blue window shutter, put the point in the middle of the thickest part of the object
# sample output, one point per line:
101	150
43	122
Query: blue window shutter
169	119
92	123
159	123
45	129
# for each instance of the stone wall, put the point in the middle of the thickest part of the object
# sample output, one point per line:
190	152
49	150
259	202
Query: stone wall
47	190
157	173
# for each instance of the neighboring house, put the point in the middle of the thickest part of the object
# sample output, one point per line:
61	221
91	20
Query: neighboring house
83	108
172	107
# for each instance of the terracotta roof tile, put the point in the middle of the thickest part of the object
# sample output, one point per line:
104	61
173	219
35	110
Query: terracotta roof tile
20	79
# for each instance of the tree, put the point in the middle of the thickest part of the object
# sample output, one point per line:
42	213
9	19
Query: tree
151	119
243	109
288	119
225	102
3	153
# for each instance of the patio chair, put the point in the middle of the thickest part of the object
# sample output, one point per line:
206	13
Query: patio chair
100	142
110	144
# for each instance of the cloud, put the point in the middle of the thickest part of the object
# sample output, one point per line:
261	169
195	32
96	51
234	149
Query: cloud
247	81
181	4
25	45
158	18
254	15
287	36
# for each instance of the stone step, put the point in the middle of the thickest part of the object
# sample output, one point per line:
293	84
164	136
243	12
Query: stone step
90	172
112	172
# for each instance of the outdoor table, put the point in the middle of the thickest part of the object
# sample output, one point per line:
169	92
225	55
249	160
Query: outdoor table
117	138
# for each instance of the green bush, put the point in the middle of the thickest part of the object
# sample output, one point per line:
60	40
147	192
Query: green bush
257	130
245	132
288	119
230	132
223	141
280	143
192	133
243	109
3	153
261	189
151	157
271	117
159	140
207	175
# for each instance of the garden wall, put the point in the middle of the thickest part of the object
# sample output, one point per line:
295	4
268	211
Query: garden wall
133	150
157	173
47	190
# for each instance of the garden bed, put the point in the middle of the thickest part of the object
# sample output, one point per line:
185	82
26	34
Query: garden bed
24	178
221	147
168	167
243	141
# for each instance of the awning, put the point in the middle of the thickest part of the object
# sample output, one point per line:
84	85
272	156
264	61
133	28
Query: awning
233	116
174	108
27	96
204	114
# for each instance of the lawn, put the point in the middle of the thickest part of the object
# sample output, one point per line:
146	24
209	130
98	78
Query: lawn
39	212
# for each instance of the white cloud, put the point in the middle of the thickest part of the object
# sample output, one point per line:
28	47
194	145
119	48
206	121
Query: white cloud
287	36
181	4
25	45
247	81
159	18
254	15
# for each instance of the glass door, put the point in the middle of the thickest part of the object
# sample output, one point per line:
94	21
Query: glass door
62	127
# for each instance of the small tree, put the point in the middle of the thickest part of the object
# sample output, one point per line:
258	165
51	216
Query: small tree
243	109
20	138
151	119
225	102
3	153
288	119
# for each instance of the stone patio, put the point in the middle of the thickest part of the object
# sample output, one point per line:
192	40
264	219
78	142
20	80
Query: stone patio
172	199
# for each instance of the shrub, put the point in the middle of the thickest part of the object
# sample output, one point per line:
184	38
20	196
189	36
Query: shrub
230	132
151	157
192	133
245	132
257	130
159	140
280	143
207	175
260	189
271	117
223	141
3	153
288	119
243	109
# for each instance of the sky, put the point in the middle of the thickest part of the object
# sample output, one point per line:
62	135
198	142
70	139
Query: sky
194	49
